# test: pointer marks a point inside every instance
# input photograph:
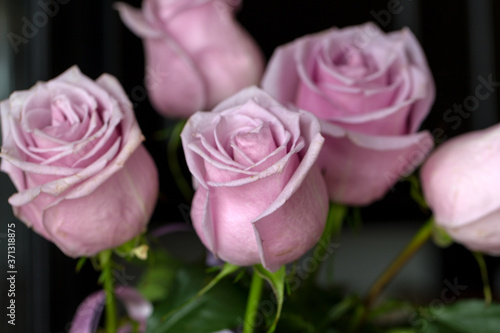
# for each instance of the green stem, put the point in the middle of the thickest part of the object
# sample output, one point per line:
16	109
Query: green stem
173	161
333	227
336	216
256	287
420	238
108	283
484	275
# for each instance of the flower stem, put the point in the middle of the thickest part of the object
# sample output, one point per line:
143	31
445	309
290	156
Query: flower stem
173	161
256	287
105	258
333	227
420	238
484	275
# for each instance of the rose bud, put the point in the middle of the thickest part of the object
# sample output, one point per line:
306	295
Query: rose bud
72	148
196	53
260	197
371	92
461	184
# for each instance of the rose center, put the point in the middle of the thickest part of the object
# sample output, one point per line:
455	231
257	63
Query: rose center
253	146
353	63
63	111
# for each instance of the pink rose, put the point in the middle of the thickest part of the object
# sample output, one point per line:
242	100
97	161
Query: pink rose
72	148
196	53
372	91
461	183
260	196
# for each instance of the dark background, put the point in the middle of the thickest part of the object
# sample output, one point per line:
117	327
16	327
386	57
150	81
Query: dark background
461	40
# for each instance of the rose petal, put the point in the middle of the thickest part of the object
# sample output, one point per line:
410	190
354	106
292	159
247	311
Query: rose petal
370	164
283	239
135	20
68	223
481	235
182	85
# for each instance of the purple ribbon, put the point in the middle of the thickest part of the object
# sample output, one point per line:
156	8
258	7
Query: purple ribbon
87	315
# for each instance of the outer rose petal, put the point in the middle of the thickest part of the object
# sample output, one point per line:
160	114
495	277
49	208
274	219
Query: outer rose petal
287	233
370	165
461	179
479	235
174	83
81	227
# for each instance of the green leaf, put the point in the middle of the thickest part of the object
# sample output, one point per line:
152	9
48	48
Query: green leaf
277	282
227	269
342	308
295	322
221	308
469	316
390	306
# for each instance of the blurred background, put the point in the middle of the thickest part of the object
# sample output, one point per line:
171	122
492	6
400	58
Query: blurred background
38	42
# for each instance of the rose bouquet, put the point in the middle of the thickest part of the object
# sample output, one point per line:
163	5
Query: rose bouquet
273	162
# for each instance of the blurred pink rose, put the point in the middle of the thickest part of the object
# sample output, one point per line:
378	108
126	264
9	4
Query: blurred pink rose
461	183
196	53
72	147
372	90
260	196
